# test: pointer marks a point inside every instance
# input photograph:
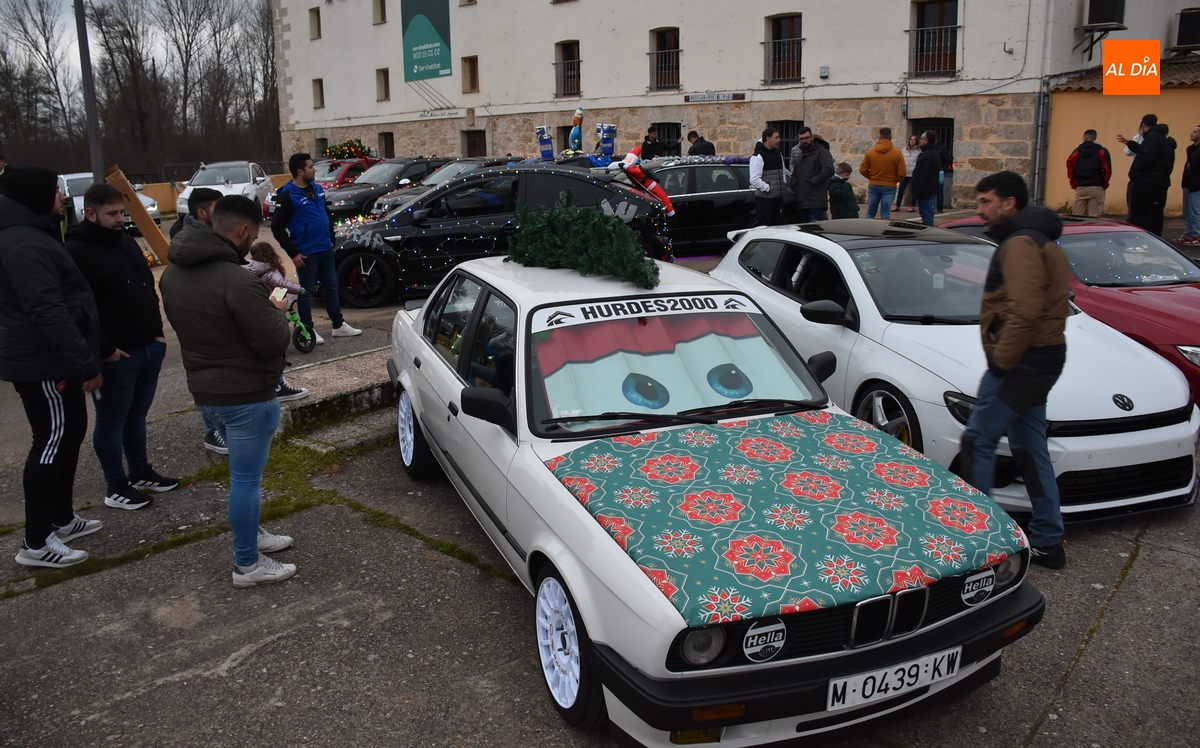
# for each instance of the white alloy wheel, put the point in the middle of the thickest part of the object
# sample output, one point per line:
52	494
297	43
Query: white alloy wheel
558	642
404	428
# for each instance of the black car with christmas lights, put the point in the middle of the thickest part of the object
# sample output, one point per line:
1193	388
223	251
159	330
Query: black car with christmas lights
408	251
450	170
357	198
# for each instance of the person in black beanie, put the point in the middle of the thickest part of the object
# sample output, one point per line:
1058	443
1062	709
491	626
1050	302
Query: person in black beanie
50	351
132	345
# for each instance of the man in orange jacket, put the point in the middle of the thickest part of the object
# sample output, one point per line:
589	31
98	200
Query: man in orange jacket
883	166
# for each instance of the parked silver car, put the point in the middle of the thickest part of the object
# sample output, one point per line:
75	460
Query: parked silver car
74	185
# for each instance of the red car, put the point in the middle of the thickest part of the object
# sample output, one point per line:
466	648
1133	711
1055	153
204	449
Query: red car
337	172
1132	281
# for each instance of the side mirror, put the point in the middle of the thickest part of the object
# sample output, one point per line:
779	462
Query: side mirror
487	404
823	365
419	216
139	187
824	312
404	182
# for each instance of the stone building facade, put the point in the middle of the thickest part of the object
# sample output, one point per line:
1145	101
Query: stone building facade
985	102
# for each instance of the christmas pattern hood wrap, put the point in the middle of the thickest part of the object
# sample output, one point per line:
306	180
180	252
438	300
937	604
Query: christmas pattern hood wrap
778	515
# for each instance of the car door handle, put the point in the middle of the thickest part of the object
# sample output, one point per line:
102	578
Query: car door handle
508	228
453	408
416	362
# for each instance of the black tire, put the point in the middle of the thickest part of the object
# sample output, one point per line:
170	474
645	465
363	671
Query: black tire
302	344
416	457
895	408
586	708
365	279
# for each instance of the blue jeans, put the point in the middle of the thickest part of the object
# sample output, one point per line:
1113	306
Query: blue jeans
926	208
880	198
813	214
319	266
248	432
121	408
990	419
1191	212
912	196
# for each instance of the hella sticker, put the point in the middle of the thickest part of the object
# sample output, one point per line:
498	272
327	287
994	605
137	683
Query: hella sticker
764	640
978	587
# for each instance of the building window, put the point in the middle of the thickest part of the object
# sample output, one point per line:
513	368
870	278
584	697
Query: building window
387	145
383	85
314	23
378	11
789	136
321	145
318	93
942	126
782	63
566	69
664	59
470	74
668	135
933	43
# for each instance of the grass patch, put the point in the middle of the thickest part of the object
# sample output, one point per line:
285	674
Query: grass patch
286	479
6	529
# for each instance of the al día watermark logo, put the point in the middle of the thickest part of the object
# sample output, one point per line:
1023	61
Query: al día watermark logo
1131	67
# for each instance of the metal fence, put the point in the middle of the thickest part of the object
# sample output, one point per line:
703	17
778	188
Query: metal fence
782	60
664	69
934	51
566	78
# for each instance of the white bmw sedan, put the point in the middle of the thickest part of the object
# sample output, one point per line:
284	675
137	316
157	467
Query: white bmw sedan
898	304
717	554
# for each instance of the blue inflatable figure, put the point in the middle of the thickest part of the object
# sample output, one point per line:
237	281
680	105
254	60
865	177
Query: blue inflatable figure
575	141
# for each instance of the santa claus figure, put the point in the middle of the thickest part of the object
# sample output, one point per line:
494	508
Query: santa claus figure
632	167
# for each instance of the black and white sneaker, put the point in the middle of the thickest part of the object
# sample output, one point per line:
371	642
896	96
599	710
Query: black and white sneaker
127	497
215	442
1050	556
285	391
53	554
77	528
152	481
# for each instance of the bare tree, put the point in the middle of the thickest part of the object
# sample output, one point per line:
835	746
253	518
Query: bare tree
185	23
40	31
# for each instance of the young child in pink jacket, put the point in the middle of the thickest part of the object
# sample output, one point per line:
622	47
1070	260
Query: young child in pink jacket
265	263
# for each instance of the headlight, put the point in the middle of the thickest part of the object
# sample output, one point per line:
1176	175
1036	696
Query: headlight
1008	571
1190	352
181	205
960	406
702	647
152	206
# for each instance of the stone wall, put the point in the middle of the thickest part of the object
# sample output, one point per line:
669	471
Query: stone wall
991	133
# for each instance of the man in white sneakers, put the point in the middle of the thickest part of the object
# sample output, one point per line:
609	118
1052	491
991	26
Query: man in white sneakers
50	351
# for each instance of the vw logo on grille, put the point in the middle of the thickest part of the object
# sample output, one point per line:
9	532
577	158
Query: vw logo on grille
1123	402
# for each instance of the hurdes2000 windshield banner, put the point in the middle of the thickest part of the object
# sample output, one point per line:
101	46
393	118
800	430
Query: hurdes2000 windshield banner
426	28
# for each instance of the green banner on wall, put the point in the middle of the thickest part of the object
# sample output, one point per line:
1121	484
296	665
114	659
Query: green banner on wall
426	28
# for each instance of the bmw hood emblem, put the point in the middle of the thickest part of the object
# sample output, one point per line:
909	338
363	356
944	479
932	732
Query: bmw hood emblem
1123	402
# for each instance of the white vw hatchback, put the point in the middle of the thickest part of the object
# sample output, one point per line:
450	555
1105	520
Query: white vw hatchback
898	304
717	554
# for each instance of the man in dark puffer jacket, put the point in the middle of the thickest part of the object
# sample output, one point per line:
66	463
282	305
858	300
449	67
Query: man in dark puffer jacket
1026	300
50	351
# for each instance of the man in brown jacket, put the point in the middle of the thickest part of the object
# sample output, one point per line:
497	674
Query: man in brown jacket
1022	321
883	166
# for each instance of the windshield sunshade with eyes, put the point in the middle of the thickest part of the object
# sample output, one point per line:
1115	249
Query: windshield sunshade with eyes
657	356
938	282
1126	258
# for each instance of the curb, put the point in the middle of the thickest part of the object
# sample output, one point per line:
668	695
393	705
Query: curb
311	413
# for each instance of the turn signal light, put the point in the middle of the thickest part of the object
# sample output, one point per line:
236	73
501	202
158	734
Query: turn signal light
692	737
1014	629
725	711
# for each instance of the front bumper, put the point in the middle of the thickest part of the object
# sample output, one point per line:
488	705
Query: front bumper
797	693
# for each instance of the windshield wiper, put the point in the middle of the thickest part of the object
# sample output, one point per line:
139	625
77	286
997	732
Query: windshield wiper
684	417
785	405
929	319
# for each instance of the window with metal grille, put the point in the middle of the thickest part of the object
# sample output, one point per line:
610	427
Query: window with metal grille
789	136
782	50
933	43
668	135
566	69
943	126
387	145
664	59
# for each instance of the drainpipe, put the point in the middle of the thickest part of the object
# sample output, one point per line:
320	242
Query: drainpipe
1042	113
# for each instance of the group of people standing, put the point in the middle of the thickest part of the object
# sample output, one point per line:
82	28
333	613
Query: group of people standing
83	319
819	188
1090	168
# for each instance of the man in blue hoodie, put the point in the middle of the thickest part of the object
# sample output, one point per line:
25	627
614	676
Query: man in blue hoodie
302	227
